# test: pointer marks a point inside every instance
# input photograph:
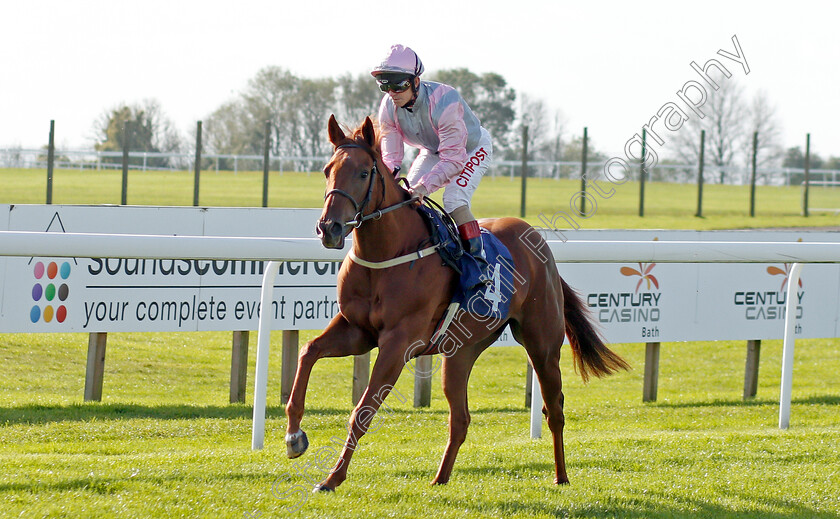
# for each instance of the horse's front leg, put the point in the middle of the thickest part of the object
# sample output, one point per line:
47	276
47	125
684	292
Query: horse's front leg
340	339
386	370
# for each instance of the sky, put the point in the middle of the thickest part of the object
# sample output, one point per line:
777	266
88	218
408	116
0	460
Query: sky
607	65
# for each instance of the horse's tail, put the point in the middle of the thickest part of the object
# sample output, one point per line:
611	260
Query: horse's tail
591	355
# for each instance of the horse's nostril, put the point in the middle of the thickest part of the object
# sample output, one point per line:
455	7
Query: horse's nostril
329	229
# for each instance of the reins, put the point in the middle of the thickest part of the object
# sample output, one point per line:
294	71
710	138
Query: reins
377	214
360	218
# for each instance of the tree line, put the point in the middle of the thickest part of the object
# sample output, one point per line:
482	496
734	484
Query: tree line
297	109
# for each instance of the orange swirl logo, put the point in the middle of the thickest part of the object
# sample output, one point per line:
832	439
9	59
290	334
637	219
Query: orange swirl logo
643	273
776	271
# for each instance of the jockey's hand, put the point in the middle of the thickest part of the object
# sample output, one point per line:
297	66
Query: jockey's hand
419	191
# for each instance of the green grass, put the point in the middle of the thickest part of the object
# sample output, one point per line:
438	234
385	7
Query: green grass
164	443
667	206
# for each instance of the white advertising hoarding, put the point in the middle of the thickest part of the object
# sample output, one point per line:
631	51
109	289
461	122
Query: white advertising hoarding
101	295
663	302
632	302
680	302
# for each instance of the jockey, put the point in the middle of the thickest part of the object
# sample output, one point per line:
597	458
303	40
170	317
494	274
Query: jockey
455	151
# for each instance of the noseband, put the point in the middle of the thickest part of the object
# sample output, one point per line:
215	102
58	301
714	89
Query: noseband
360	218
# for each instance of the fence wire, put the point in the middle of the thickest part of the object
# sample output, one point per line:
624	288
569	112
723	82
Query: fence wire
21	158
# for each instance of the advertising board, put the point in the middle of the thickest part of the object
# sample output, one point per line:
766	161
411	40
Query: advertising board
632	302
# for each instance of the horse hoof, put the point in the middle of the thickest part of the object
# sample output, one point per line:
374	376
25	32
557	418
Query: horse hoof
296	444
320	487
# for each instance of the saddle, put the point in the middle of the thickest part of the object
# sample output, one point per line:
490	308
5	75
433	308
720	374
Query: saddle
443	233
473	295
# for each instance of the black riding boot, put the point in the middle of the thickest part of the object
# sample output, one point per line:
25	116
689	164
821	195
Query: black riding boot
471	235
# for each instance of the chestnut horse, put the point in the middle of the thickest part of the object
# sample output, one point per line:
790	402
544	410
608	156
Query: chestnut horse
396	308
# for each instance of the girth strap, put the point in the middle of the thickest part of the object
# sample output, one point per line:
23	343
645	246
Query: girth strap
392	262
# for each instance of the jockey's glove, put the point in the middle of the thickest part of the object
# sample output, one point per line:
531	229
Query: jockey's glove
419	191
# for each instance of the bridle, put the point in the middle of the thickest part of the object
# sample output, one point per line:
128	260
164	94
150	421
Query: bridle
360	217
376	214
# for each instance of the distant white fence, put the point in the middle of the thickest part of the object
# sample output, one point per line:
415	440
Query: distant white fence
147	161
830	196
150	161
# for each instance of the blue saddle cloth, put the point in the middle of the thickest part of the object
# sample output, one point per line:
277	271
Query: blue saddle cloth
486	300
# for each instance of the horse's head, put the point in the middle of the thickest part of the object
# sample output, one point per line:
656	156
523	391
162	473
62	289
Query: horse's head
350	176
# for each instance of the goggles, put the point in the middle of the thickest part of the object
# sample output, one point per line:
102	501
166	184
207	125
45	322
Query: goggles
397	88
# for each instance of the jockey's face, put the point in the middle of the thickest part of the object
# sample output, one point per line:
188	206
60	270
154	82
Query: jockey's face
402	98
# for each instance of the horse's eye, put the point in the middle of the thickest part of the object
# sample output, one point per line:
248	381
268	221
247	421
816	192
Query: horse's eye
364	174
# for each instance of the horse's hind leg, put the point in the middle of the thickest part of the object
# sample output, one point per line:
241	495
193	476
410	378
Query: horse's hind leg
552	392
542	341
456	373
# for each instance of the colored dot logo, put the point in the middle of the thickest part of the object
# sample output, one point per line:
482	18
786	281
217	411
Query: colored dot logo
50	290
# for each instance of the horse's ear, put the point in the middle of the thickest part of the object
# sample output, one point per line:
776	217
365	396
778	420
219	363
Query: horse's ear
368	132
335	132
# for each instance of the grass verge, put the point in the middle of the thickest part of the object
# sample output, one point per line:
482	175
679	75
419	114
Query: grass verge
164	442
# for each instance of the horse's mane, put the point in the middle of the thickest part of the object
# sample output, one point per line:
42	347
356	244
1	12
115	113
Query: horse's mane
356	135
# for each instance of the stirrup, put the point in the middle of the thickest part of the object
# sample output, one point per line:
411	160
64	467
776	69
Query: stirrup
486	275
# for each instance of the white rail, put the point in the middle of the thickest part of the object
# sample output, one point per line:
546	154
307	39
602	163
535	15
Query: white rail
150	246
91	245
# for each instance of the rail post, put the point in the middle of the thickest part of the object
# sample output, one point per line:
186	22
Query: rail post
95	372
238	366
529	384
752	176
197	162
524	169
642	175
423	381
361	375
583	172
266	163
807	174
788	346
751	369
50	161
261	368
700	175
651	382
126	144
291	344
